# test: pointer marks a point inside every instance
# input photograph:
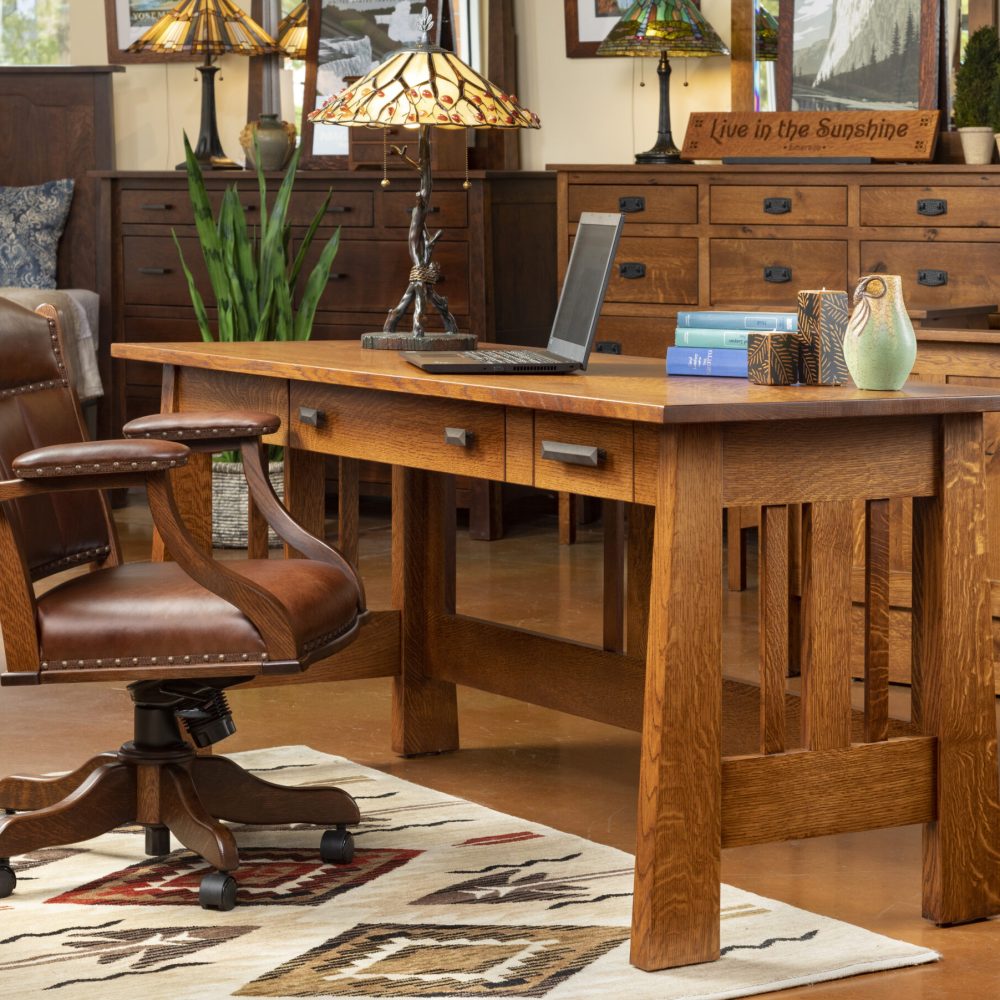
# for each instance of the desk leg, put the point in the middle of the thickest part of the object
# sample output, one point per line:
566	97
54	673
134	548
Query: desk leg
675	915
954	682
424	710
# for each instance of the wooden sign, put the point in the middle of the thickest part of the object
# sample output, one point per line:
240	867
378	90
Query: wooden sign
881	135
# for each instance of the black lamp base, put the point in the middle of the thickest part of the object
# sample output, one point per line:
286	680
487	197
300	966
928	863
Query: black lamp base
208	149
664	150
665	153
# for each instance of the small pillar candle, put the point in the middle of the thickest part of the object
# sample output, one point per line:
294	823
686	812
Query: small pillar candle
823	316
772	358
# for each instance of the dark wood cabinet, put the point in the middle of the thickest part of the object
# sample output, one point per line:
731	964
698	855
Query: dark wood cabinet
497	253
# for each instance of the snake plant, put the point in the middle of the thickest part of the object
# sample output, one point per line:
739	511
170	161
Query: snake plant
253	274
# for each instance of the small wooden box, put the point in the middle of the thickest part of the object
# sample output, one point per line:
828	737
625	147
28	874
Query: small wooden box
772	358
823	319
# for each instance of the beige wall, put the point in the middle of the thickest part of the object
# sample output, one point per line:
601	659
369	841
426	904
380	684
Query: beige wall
592	110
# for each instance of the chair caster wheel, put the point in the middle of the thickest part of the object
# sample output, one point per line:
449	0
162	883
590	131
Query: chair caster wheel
7	880
217	891
337	846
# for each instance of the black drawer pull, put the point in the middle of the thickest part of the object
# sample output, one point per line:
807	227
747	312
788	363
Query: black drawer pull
154	270
573	454
928	276
338	275
339	208
932	206
430	211
458	436
777	206
777	275
631	204
632	269
310	415
156	207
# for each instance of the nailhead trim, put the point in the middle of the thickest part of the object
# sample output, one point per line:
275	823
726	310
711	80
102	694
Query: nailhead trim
154	661
77	470
59	383
329	637
172	433
87	555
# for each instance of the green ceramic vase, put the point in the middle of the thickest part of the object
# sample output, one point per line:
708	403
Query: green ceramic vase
879	346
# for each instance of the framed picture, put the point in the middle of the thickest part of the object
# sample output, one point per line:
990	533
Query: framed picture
126	20
354	36
883	57
588	23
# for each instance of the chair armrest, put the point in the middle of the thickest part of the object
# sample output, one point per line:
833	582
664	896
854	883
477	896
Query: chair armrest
99	458
223	430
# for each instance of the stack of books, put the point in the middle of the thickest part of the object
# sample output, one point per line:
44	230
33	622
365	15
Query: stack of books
715	342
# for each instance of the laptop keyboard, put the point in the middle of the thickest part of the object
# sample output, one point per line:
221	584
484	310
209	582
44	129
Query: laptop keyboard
507	357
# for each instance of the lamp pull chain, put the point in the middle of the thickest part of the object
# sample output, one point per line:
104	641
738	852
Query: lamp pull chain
466	184
385	182
685	72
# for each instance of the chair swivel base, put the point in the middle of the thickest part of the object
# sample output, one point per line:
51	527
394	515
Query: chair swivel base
169	790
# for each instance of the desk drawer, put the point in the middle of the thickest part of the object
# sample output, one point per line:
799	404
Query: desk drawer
448	210
561	441
940	207
655	271
937	274
770	272
780	205
152	274
399	429
641	203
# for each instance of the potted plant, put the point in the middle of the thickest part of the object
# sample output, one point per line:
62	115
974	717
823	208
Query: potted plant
254	278
975	107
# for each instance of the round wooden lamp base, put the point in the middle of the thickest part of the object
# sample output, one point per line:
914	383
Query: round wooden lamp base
405	341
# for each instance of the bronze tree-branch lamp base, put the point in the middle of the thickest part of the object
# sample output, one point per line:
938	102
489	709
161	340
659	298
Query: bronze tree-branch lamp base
419	87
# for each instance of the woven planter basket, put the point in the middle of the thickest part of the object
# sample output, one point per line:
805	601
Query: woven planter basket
229	503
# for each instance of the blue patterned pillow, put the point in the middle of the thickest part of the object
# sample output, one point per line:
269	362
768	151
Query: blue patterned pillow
31	222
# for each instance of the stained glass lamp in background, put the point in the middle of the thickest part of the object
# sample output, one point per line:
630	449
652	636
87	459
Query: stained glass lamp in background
292	35
207	28
663	28
421	87
765	32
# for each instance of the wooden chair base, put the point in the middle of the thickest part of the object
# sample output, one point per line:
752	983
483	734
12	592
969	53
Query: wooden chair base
175	791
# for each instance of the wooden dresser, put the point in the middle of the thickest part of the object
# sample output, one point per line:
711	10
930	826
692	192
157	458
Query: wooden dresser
716	237
497	254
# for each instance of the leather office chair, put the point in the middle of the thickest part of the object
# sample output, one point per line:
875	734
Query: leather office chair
181	631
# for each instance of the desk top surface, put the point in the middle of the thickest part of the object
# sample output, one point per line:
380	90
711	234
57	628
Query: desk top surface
623	388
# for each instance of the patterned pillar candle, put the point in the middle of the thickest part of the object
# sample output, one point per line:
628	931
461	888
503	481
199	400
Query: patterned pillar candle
772	358
823	319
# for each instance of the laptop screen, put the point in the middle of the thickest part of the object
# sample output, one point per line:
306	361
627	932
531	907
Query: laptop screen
584	286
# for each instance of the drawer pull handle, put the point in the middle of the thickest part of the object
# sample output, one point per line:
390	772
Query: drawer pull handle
458	436
339	208
931	278
430	211
932	206
310	416
154	270
150	207
338	275
573	454
777	206
631	204
632	269
777	275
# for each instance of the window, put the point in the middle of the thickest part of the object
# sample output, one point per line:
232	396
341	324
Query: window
34	32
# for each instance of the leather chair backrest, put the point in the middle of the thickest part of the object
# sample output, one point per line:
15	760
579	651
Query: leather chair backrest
38	408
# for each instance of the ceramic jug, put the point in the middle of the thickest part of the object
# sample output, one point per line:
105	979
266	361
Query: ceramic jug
275	142
879	346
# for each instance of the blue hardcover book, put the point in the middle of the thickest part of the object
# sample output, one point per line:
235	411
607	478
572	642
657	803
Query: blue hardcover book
706	361
701	337
720	320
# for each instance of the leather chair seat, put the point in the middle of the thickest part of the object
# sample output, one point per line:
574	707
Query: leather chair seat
154	613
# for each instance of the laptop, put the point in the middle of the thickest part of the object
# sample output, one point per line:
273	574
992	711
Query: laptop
575	324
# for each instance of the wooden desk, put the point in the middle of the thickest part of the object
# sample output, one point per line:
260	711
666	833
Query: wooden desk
679	450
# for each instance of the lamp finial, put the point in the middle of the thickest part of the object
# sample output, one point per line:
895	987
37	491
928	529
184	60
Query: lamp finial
426	23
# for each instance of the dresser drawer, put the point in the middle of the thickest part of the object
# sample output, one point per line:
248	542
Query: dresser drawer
562	441
640	203
449	210
365	274
770	272
939	207
412	429
762	204
654	271
937	274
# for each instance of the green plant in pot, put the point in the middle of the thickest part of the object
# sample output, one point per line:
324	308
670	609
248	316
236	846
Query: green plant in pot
976	97
255	274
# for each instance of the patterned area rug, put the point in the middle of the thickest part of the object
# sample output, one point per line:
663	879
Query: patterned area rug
444	899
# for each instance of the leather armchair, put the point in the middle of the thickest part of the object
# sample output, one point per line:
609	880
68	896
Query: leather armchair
180	631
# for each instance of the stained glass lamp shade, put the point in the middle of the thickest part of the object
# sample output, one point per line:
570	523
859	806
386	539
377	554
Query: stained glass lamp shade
662	28
765	30
293	31
208	28
423	87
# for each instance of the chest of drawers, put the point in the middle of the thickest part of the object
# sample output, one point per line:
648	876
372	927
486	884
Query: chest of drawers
750	236
497	254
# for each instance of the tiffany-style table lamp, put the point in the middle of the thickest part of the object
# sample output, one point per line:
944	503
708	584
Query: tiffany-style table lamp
662	28
423	87
208	28
293	31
